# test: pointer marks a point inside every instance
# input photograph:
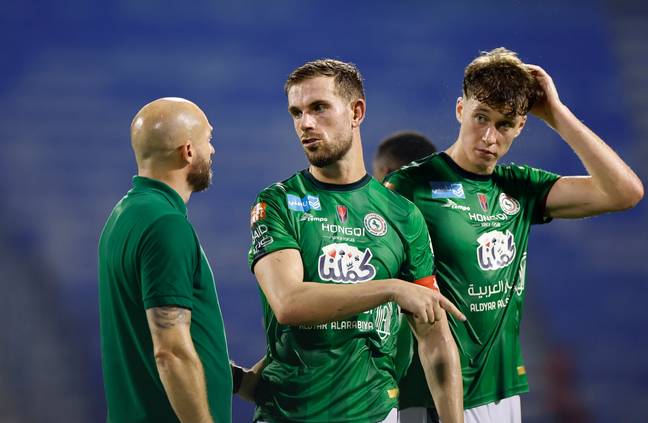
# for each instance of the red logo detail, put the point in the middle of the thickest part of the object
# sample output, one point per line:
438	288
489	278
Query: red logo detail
483	202
258	212
343	213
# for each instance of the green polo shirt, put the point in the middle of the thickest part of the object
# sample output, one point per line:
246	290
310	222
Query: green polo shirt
150	256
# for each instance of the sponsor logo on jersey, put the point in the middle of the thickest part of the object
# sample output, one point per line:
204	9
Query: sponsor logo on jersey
382	319
487	290
342	213
478	217
454	206
260	237
519	287
307	217
258	212
447	190
496	250
483	202
342	230
345	263
375	224
310	202
508	204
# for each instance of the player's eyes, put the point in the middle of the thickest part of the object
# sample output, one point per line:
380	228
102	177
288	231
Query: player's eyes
481	118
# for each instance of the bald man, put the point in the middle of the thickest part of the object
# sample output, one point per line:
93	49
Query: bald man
164	352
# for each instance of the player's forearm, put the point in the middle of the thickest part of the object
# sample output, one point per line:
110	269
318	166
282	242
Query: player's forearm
610	174
313	303
184	382
440	360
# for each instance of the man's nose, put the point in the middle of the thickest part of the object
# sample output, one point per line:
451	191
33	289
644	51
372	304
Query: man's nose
307	121
489	136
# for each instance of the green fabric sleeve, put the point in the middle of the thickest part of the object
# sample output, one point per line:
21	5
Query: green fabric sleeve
168	258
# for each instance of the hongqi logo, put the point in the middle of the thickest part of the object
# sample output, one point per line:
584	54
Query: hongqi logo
496	250
345	264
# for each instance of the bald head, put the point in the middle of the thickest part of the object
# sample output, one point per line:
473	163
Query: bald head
162	126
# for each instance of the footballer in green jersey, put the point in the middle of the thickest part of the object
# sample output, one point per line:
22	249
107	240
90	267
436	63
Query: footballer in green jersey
346	234
479	216
480	226
335	254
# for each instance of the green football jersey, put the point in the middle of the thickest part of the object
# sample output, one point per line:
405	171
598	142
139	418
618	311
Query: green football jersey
150	256
341	371
479	226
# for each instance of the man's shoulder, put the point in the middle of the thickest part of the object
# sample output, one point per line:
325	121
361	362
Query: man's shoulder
148	205
392	197
281	188
515	172
419	169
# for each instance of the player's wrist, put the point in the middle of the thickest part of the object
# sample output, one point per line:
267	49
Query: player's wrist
395	289
237	377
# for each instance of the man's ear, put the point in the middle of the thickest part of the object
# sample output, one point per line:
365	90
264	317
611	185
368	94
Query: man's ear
520	125
459	109
186	152
359	108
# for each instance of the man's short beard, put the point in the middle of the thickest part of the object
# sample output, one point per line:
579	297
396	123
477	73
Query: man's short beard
200	176
328	156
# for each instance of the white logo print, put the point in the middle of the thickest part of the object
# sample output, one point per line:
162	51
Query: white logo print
346	264
382	317
496	250
375	224
455	206
519	288
508	204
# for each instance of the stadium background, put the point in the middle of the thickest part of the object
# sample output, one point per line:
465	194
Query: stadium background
74	73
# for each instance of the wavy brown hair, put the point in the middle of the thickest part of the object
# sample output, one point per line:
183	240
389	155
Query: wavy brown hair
500	79
348	80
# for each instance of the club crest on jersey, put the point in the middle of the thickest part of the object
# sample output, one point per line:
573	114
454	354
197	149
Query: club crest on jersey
509	204
342	213
345	263
447	190
483	202
375	224
309	202
496	250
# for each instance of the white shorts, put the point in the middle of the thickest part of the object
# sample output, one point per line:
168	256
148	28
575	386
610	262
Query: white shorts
507	410
392	417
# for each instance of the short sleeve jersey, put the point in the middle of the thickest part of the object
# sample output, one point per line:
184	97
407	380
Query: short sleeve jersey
150	256
341	371
479	226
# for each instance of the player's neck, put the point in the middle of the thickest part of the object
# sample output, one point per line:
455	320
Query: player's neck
463	161
176	180
347	170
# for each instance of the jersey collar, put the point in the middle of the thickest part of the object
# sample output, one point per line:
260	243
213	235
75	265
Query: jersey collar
142	183
462	171
336	187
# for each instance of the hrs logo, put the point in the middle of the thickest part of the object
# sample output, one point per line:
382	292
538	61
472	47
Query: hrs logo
345	263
